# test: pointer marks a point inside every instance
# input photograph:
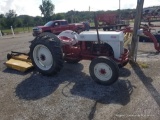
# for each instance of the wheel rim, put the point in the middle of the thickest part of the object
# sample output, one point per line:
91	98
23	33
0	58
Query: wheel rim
42	57
103	72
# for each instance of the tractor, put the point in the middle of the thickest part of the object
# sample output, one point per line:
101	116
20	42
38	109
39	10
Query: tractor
48	53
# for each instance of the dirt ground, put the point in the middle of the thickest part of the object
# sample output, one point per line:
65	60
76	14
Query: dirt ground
72	95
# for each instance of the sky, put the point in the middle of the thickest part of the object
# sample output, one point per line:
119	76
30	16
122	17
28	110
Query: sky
31	7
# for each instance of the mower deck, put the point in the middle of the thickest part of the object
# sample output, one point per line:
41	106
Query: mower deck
19	62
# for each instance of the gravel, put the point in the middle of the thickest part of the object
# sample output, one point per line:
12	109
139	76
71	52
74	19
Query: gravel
72	95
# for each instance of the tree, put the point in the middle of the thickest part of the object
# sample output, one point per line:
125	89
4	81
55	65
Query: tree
47	9
11	14
2	21
27	20
1	15
38	20
58	16
10	18
19	22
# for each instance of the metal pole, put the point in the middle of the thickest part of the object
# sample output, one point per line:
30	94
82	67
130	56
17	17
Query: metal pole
119	4
96	25
0	33
135	38
119	10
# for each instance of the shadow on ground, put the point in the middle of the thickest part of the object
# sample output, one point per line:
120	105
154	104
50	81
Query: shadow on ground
149	53
147	81
12	71
38	86
124	72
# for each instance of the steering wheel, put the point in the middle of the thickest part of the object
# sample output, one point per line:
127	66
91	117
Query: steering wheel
145	27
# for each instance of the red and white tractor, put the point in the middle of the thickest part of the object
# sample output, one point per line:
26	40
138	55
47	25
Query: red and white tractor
105	50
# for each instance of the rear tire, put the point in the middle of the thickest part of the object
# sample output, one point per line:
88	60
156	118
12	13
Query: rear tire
104	71
46	54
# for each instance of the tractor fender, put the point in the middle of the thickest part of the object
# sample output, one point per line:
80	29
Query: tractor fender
117	48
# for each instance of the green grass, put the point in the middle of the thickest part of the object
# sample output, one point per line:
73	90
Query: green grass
142	64
17	30
92	24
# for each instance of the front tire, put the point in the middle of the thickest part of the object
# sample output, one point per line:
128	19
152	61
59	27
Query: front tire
46	54
104	71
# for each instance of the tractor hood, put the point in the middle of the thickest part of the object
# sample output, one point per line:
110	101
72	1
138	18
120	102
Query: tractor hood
104	36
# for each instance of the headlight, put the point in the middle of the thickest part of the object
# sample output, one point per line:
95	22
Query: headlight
39	29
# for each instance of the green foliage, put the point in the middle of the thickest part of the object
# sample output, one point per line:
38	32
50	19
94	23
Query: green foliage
17	30
18	22
27	20
58	16
38	21
76	16
47	9
2	22
10	19
1	15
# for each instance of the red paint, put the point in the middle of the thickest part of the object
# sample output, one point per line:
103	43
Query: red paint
147	32
57	27
102	71
81	52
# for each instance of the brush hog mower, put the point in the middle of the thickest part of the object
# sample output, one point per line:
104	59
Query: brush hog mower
105	50
19	61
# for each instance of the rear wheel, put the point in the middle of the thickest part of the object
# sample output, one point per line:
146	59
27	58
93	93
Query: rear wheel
46	54
104	71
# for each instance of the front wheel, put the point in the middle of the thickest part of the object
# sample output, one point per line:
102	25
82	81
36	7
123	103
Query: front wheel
104	71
